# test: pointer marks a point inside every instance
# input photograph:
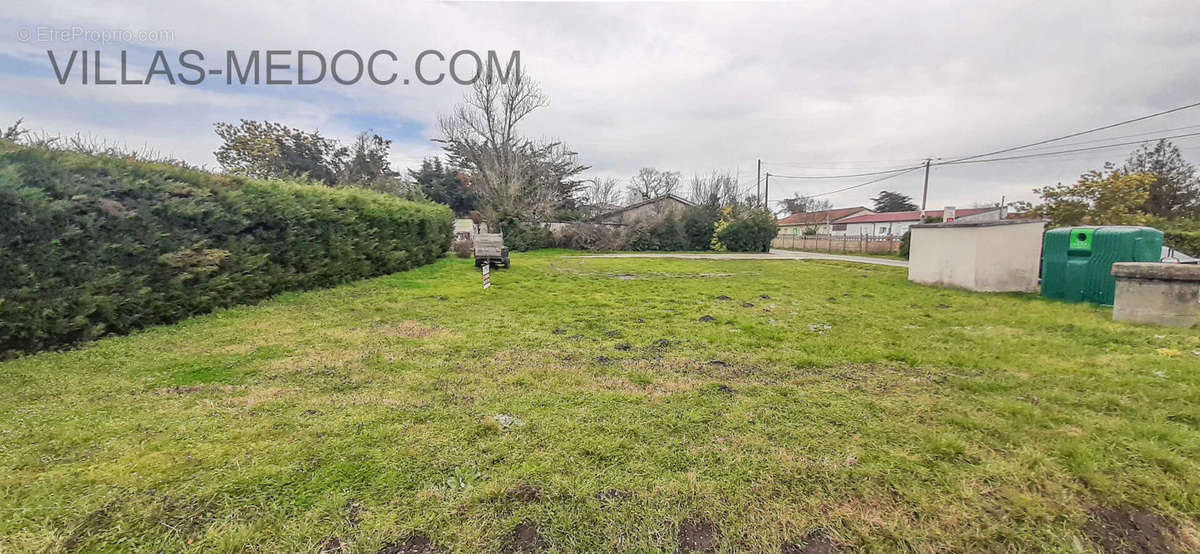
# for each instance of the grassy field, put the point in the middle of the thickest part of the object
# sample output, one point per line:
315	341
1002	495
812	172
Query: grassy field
613	405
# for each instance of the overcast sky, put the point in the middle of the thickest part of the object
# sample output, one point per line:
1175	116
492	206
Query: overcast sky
813	89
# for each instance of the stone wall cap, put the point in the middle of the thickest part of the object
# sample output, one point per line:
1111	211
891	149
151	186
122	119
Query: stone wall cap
1152	270
988	223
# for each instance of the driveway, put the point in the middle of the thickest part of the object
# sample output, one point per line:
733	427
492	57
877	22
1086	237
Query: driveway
773	255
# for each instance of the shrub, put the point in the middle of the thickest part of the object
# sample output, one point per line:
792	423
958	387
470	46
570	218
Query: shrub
590	236
520	236
462	248
698	224
905	244
661	233
743	229
1183	241
95	245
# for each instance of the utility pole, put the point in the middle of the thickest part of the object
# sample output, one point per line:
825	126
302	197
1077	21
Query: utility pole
758	181
925	193
767	191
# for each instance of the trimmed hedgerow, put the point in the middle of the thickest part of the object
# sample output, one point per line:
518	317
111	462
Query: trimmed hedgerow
1183	241
94	245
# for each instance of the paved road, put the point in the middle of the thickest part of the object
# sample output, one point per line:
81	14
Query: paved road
773	255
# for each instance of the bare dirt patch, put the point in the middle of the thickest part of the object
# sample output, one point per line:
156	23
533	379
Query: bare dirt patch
697	535
1131	530
612	496
410	329
526	538
414	544
816	542
525	493
95	523
194	389
260	395
331	546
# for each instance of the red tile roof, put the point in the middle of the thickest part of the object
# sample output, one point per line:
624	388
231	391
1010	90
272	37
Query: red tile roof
915	215
817	218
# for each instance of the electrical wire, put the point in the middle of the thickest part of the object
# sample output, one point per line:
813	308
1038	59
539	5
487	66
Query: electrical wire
903	171
1045	154
968	159
868	174
1072	135
1093	141
1004	150
871	182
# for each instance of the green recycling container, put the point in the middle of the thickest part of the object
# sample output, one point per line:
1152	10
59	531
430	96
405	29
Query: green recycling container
1077	261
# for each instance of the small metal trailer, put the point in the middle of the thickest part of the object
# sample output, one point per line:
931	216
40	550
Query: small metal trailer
489	249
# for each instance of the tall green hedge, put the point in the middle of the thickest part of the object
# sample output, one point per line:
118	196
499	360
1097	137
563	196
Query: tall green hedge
1187	242
95	245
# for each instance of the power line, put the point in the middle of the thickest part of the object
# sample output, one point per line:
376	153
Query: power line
868	174
1072	135
871	182
903	171
841	165
880	161
1044	154
1093	141
973	156
966	159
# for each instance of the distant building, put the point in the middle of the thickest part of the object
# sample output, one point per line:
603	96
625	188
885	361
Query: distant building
654	207
820	222
464	229
897	223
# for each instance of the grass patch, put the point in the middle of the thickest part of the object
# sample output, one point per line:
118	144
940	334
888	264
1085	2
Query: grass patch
569	409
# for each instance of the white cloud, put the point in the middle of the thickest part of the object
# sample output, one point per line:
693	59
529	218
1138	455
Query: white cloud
696	87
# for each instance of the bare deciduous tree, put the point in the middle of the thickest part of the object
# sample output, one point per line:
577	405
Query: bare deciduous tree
799	203
513	175
715	189
602	192
651	183
14	131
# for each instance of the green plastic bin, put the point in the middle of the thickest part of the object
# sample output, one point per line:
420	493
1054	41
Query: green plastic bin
1077	261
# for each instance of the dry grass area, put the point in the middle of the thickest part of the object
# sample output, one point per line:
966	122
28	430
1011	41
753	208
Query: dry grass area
613	405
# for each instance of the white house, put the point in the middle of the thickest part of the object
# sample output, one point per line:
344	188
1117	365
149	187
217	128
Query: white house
820	222
897	223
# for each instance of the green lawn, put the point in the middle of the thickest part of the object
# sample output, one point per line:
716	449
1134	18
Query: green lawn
582	405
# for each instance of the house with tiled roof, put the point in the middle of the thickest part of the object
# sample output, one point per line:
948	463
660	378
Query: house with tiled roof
652	207
819	222
897	223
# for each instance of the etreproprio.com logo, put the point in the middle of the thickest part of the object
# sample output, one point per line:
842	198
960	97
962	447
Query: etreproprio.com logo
280	67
